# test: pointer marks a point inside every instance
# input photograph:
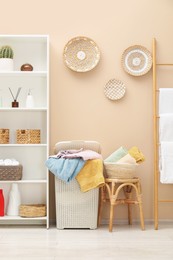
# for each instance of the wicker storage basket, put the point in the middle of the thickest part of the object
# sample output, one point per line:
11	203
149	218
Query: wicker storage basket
76	209
4	136
123	170
32	210
28	136
11	173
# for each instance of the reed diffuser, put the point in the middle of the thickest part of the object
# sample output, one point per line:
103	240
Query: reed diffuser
15	103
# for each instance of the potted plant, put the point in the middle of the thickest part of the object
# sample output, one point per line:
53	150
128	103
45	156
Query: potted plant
6	58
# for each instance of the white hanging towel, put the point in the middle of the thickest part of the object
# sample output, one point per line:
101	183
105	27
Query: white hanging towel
166	100
166	128
166	162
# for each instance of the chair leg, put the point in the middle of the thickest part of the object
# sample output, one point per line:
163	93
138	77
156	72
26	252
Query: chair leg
128	194
141	214
129	214
100	206
140	206
111	217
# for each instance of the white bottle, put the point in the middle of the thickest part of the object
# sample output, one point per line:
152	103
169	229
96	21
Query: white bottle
14	201
29	100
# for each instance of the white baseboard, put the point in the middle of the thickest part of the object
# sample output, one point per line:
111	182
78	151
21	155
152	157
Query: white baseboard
105	221
136	221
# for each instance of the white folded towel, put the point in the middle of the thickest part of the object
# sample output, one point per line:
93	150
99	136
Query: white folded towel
9	162
14	162
166	128
127	159
165	100
166	162
1	162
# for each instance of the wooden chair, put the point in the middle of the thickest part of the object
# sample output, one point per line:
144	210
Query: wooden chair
110	192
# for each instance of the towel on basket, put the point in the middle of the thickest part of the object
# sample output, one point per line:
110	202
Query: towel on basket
65	169
91	175
137	154
165	100
166	162
84	154
165	128
117	155
127	159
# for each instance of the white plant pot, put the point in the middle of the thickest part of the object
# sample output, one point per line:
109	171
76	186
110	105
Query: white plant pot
6	64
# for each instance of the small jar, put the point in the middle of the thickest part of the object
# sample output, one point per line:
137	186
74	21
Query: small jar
26	67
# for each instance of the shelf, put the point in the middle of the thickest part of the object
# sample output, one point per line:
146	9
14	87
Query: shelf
20	218
25	38
22	145
26	181
24	73
34	185
17	109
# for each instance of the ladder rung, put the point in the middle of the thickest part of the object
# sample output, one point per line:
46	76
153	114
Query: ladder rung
164	64
165	200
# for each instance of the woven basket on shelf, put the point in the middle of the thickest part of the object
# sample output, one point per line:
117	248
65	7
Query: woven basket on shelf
32	210
11	172
4	136
123	170
28	136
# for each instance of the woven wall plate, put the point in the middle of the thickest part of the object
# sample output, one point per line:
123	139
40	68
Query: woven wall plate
136	60
114	89
81	54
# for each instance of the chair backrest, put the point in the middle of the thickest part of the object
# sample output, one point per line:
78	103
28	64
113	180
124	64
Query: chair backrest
77	144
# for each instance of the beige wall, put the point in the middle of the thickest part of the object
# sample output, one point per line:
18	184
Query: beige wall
78	107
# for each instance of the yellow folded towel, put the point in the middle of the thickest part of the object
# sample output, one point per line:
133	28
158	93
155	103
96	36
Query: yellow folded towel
91	175
137	154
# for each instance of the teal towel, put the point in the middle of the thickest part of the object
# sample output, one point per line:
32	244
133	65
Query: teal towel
65	169
117	155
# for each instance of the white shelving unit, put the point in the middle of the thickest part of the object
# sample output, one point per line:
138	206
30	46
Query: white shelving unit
34	186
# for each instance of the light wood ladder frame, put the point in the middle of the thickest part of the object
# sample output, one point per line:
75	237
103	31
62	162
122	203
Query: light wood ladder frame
156	135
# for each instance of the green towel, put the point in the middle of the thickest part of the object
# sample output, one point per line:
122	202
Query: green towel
117	155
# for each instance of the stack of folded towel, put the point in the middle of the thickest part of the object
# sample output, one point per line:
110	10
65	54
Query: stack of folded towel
122	155
166	135
9	162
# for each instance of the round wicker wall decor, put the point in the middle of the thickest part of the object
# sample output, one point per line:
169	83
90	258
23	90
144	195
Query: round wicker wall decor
114	89
81	54
136	60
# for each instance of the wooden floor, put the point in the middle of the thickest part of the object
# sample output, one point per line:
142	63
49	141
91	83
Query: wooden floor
124	243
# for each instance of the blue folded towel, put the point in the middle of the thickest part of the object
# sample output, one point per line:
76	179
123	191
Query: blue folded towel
65	169
117	155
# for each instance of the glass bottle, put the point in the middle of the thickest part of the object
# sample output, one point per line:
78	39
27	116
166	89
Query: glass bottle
29	100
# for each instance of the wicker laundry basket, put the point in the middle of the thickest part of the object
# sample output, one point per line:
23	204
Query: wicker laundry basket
75	209
120	170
